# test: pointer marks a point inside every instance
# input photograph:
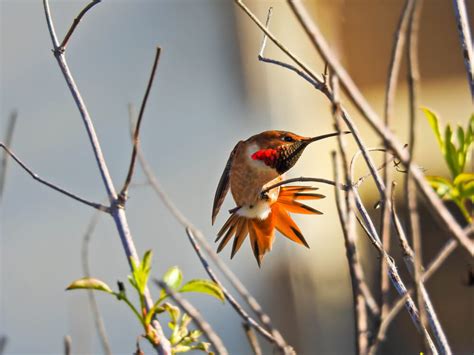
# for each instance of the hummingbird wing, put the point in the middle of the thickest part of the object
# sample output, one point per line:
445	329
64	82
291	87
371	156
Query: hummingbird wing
224	183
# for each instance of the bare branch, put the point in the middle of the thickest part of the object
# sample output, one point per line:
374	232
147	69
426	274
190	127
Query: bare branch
118	213
99	322
136	134
347	220
347	223
466	41
197	318
283	347
252	338
8	140
76	21
97	206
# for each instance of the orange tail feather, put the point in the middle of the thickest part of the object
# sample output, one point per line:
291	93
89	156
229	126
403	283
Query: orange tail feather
262	232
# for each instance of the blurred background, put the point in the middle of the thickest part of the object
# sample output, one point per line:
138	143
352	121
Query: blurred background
210	92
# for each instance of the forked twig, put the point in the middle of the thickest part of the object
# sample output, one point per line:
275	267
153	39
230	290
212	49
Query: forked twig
117	212
204	326
136	133
35	176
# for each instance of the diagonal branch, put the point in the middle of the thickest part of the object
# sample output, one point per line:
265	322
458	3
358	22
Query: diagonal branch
466	41
202	324
76	21
136	135
98	206
8	140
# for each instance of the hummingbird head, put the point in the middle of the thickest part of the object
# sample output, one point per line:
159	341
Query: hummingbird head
281	149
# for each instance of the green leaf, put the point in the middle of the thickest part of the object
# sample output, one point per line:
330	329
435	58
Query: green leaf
450	153
204	286
146	262
89	283
434	123
173	277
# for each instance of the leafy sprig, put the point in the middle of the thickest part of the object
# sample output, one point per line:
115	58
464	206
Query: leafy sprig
182	339
460	188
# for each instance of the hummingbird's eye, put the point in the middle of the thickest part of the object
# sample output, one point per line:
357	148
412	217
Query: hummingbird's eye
288	139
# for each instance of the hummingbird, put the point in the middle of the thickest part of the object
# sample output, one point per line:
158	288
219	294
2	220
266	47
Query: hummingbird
254	165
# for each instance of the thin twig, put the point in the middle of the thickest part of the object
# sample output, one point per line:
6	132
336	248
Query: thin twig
136	135
8	141
35	176
76	21
252	338
347	220
410	188
118	213
283	347
205	327
347	223
98	320
3	343
67	345
222	266
466	41
390	91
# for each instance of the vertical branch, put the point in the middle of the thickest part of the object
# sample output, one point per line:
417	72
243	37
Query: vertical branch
390	92
466	41
98	321
347	219
3	343
410	190
8	141
117	212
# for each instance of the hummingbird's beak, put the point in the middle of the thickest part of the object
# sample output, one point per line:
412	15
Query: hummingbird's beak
324	136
